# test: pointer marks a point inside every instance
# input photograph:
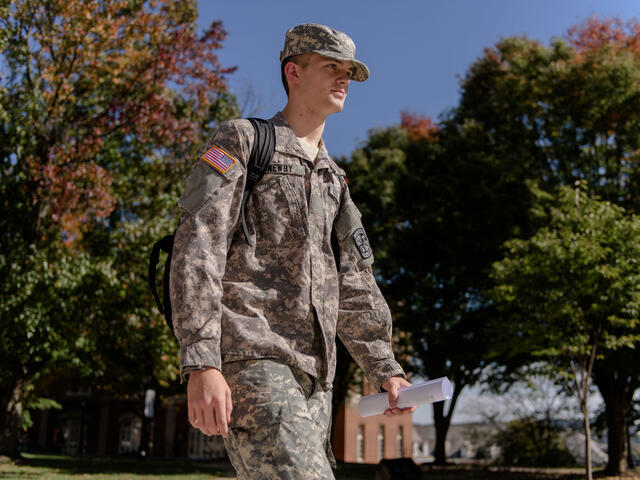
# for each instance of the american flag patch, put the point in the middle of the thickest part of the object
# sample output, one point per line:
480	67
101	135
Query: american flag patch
219	159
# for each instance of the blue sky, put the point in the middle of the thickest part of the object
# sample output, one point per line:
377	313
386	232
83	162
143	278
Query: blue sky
414	49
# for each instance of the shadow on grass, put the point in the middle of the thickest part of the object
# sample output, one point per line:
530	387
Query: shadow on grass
20	475
93	465
355	471
74	465
493	472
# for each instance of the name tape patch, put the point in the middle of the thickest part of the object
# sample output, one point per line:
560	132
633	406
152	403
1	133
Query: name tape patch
285	168
219	159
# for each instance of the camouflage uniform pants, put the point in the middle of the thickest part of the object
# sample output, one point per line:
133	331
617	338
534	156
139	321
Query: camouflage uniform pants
280	424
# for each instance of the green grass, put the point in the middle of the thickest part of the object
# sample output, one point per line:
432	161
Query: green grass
60	467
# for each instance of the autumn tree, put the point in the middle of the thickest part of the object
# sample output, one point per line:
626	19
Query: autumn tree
572	292
102	105
563	112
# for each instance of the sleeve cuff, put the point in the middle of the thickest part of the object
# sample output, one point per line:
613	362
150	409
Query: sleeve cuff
382	371
185	371
197	356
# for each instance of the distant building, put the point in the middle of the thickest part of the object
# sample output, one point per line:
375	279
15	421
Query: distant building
98	424
369	440
475	442
469	442
575	442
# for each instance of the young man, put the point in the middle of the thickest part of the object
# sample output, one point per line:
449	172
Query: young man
257	317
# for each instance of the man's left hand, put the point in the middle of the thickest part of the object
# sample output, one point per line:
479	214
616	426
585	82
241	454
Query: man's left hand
392	385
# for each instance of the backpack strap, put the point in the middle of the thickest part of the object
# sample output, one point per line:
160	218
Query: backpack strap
261	154
259	160
166	245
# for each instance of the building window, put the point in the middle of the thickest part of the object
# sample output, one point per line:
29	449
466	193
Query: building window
416	449
71	432
380	442
360	444
400	441
129	434
425	449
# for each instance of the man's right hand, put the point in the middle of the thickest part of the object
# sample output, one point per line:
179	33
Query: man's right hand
209	402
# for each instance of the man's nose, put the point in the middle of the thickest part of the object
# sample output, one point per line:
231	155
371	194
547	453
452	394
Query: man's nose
344	78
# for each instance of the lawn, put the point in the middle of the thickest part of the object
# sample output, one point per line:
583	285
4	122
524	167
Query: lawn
61	467
58	467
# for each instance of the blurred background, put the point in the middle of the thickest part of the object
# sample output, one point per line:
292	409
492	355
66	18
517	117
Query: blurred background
494	153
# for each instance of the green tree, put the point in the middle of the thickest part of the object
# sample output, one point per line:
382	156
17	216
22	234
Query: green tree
571	292
533	442
438	211
101	105
560	113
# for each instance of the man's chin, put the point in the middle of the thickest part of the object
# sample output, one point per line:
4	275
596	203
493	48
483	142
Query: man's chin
336	107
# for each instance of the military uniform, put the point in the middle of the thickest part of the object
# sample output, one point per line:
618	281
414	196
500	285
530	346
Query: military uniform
266	311
281	422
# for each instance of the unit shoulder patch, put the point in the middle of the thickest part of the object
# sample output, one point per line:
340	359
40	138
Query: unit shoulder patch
219	159
362	242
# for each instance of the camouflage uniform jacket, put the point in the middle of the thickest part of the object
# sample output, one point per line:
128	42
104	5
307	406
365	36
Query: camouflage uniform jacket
283	297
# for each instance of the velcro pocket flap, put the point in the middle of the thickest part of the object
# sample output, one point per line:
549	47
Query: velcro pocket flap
201	184
353	237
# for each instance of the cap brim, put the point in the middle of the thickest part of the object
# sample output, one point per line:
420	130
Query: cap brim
361	72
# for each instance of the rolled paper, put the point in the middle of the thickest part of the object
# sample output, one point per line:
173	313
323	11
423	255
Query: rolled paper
426	392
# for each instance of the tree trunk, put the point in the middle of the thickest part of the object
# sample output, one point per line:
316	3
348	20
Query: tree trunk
442	422
617	394
442	427
616	437
581	377
146	441
630	463
587	438
11	419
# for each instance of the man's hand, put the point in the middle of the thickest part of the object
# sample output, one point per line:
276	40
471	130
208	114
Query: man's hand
392	385
209	402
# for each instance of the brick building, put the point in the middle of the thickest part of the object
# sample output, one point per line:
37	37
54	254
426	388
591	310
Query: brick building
369	440
97	424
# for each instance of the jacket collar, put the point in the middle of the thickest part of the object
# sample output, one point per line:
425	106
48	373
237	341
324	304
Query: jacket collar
288	143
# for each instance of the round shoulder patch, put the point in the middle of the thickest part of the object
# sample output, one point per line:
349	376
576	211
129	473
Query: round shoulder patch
362	242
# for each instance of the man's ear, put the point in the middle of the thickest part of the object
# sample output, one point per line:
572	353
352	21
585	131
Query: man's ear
292	72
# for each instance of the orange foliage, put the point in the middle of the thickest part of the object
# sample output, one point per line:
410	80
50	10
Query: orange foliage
594	34
80	193
109	68
418	126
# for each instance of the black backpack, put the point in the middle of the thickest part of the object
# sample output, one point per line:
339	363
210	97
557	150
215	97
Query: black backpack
259	160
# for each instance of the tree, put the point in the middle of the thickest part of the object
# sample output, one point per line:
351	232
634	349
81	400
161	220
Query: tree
560	113
533	442
102	105
571	292
438	211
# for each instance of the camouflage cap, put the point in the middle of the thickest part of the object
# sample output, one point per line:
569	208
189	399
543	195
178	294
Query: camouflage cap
325	41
